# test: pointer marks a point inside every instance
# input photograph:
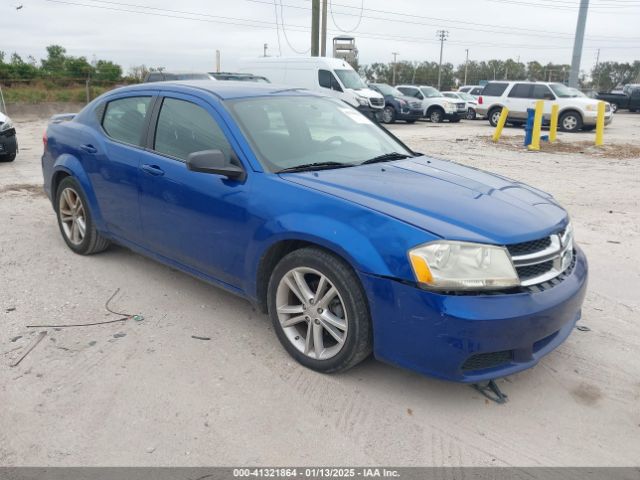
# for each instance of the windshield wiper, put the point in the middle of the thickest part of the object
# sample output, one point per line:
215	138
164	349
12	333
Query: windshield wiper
386	157
315	166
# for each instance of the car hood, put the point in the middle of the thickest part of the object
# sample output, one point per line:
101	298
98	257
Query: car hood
447	199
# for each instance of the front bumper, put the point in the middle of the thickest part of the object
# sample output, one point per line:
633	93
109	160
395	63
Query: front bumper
409	114
472	338
8	142
369	112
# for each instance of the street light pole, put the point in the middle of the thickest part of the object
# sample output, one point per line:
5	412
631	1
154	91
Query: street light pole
577	44
466	65
395	55
442	35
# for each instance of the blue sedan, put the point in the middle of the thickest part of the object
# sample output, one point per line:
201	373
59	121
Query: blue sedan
351	242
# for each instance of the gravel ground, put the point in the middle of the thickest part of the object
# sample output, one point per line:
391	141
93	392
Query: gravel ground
148	393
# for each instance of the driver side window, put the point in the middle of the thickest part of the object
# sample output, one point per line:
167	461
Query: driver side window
326	79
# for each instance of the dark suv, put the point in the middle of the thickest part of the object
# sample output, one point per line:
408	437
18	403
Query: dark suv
397	106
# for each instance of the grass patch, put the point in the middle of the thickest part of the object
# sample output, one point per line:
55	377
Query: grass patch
41	93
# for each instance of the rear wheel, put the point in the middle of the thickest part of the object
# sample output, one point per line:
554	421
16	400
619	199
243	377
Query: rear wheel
570	122
494	116
471	114
319	310
75	220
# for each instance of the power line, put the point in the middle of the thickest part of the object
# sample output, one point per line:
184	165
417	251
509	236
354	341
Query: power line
275	8
284	31
333	18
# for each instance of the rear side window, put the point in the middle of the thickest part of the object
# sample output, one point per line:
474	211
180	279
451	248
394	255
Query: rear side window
478	91
184	127
494	89
124	119
520	90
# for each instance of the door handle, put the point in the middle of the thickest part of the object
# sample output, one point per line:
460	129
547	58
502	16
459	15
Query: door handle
154	170
88	148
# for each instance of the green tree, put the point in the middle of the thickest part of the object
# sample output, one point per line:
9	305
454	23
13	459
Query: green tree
107	71
53	65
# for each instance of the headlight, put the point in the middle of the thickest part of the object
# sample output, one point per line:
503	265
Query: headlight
402	102
450	265
6	125
591	108
446	105
362	101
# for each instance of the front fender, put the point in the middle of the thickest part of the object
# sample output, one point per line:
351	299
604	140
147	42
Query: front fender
376	251
71	166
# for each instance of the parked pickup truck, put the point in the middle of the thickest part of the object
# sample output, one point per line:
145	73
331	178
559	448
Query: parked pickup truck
630	99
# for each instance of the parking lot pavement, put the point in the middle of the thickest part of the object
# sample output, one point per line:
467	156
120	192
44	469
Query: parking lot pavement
148	393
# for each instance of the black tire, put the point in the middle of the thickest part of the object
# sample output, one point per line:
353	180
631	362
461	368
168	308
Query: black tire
388	115
570	122
494	116
10	157
471	114
633	110
455	120
358	341
410	121
436	115
588	128
92	242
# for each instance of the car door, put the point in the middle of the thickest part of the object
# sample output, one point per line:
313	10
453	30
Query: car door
197	219
113	162
519	100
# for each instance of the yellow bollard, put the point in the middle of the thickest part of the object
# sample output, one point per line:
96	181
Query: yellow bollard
600	125
500	126
553	128
537	126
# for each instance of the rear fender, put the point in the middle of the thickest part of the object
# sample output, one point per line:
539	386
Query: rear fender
71	166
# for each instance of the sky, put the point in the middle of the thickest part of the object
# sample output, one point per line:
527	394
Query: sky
184	35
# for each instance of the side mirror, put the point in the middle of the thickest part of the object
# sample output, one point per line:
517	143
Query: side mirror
214	161
549	96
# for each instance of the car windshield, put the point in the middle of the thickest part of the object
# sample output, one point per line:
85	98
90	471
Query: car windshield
290	131
430	92
350	79
450	95
467	97
562	91
388	89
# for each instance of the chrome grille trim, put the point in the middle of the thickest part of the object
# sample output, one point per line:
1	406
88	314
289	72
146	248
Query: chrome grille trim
559	254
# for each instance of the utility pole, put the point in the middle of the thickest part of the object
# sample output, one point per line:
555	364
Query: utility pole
264	50
395	54
217	61
315	27
577	43
442	35
466	65
323	30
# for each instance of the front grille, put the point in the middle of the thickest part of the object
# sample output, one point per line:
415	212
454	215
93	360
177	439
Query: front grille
539	261
482	361
462	107
526	248
532	271
377	102
416	105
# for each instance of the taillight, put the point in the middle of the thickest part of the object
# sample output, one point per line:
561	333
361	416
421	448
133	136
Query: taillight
44	139
480	100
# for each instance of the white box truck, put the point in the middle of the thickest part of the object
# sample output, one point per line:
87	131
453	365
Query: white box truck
332	76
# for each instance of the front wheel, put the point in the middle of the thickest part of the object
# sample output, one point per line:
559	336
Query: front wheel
388	115
494	116
436	115
471	114
75	220
319	311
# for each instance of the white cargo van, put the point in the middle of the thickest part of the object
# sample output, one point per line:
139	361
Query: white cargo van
323	74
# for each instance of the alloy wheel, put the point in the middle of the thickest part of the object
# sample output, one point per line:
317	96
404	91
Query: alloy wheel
387	115
72	216
569	123
312	313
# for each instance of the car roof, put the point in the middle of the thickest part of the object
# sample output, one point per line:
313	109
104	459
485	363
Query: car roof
223	90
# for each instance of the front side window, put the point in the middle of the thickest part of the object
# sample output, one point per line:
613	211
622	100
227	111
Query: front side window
327	80
411	92
542	92
184	127
124	119
287	132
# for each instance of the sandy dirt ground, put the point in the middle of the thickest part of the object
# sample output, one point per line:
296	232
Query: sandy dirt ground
148	393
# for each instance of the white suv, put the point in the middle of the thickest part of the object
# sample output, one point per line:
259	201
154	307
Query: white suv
576	112
435	106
